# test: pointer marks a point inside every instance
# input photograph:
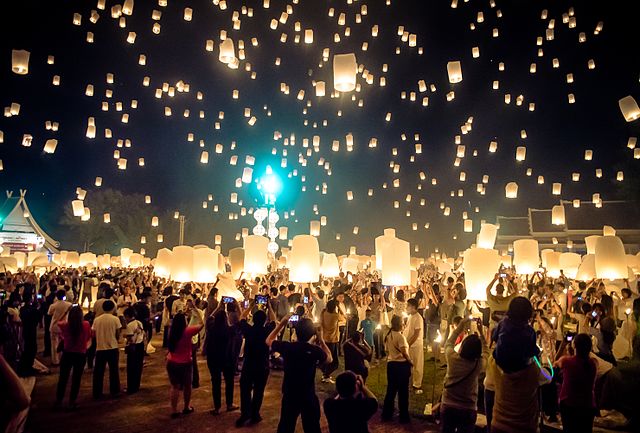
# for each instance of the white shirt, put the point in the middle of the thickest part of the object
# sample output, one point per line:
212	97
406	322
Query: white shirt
135	331
394	343
106	328
415	322
125	301
57	311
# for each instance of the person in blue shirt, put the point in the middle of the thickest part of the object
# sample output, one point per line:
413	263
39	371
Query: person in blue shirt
368	326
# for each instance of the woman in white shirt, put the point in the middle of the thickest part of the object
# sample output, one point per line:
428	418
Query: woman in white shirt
127	299
398	371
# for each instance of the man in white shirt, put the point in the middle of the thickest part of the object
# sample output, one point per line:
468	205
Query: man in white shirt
107	331
97	306
414	333
58	311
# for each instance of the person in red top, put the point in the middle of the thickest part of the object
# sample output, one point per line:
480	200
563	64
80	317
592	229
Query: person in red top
76	335
577	398
179	362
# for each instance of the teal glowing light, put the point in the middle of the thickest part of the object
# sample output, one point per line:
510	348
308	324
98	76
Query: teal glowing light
270	186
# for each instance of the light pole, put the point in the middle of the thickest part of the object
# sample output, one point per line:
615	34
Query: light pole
181	220
269	186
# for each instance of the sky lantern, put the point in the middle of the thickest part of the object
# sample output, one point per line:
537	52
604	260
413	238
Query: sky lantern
345	68
526	258
557	215
480	266
629	108
380	243
182	264
511	190
78	208
454	70
20	62
329	267
487	236
590	242
396	263
610	259
304	259
255	254
227	51
205	265
569	263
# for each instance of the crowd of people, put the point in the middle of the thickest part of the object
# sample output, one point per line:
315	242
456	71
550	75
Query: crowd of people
537	348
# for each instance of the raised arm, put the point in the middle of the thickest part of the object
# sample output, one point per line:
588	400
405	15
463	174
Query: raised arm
274	334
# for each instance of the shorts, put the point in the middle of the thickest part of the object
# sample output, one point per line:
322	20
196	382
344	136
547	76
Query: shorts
179	374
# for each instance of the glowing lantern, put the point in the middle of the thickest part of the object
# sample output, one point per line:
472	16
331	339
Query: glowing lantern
236	261
587	269
629	108
329	267
556	188
569	263
454	70
314	228
381	243
106	218
205	265
72	259
553	264
396	263
345	68
610	258
480	266
557	215
182	264
608	231
227	51
487	236
525	256
511	190
20	62
304	259
164	259
255	254
521	153
78	208
320	88
468	226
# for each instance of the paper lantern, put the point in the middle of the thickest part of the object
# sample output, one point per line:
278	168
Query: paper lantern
164	259
72	259
526	258
396	263
553	264
227	51
521	153
236	261
610	258
345	68
480	266
468	226
487	236
454	70
304	259
511	190
587	269
569	263
255	254
50	145
590	242
349	264
136	260
227	288
608	231
629	108
205	265
556	188
20	62
557	215
380	244
329	267
182	264
78	208
88	259
314	228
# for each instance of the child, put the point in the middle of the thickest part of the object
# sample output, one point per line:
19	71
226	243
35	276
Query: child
367	326
134	349
515	338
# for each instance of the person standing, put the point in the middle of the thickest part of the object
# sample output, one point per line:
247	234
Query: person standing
329	322
76	335
357	354
58	310
134	332
577	397
398	372
255	368
107	331
351	409
30	316
414	333
301	359
220	360
460	390
179	362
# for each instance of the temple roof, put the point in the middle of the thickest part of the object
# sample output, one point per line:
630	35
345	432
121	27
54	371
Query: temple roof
16	217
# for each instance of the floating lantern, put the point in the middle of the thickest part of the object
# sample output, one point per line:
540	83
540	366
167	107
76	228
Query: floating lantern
487	236
227	51
255	254
569	264
629	108
526	258
557	215
396	263
345	68
329	267
304	259
610	259
454	71
511	190
480	266
182	264
20	62
205	265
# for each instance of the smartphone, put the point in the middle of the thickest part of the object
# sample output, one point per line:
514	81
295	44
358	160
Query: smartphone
39	296
227	300
569	338
246	303
74	305
503	275
305	300
262	299
294	318
594	314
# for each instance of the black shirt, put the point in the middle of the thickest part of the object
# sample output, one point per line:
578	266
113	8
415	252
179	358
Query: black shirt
353	358
300	362
143	313
349	415
256	351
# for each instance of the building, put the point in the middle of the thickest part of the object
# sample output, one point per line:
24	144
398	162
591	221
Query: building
18	229
580	222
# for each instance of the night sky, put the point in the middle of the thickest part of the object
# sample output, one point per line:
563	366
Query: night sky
558	133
